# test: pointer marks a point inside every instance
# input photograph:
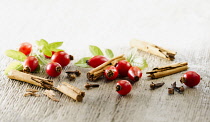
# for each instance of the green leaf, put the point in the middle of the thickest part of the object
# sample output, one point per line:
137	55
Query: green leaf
57	50
13	66
109	53
82	62
131	54
37	69
16	55
42	60
139	62
42	42
54	45
95	50
47	51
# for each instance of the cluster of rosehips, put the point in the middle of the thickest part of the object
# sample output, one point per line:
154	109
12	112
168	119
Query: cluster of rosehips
122	68
53	69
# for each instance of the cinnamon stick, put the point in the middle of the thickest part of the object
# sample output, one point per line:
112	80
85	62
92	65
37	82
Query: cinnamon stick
35	80
97	72
71	91
167	70
153	49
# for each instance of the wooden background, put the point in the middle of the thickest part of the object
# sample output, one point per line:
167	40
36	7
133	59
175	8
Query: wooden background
182	26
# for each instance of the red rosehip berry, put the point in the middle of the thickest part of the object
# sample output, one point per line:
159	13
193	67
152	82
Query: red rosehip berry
111	73
123	66
25	48
190	79
61	57
134	73
53	69
30	64
123	87
96	61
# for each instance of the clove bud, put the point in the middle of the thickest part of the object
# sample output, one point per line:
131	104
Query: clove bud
170	90
76	72
88	85
178	89
157	85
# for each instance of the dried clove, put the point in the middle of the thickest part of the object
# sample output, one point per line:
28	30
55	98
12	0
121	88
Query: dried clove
178	89
88	85
72	77
156	85
76	72
170	90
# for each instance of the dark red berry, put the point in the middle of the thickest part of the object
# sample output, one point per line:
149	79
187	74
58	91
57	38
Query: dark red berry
134	73
123	66
53	69
49	56
123	87
61	57
25	48
111	73
190	79
96	61
30	64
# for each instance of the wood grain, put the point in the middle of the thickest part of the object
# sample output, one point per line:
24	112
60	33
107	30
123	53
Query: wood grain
104	104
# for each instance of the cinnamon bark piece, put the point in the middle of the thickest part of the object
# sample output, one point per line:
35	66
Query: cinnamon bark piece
153	49
35	80
167	70
97	72
51	95
71	91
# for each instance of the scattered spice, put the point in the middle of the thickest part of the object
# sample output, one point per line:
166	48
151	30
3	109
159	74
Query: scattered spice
72	77
88	85
156	85
178	89
170	90
51	95
76	72
31	92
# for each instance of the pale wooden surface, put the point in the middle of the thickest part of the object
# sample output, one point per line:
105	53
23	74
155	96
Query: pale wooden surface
181	26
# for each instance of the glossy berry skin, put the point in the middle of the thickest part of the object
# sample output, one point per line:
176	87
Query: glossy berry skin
53	69
111	73
123	87
134	73
49	56
123	66
190	79
96	61
25	48
30	64
61	57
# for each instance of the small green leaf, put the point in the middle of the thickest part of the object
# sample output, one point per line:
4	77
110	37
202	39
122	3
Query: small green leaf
47	51
15	55
54	45
13	66
95	50
131	54
57	50
42	42
82	62
42	60
109	53
139	62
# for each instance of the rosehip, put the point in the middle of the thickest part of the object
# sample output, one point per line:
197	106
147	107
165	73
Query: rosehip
190	79
53	69
61	57
25	48
111	73
123	66
123	87
134	73
96	61
30	64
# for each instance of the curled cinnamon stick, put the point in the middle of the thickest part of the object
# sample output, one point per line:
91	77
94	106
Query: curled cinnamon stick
167	70
97	72
153	49
71	91
32	79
